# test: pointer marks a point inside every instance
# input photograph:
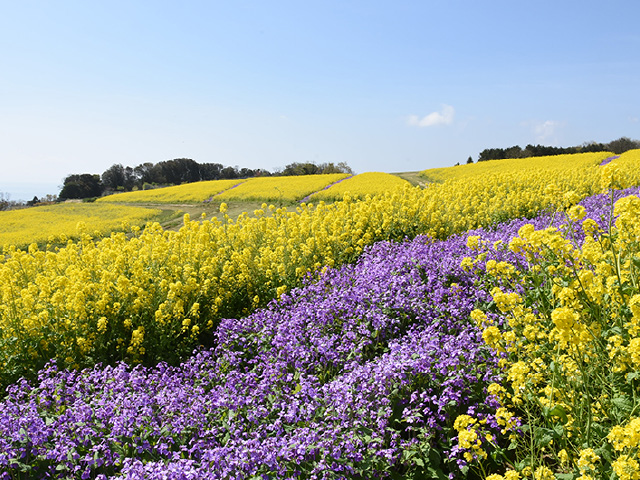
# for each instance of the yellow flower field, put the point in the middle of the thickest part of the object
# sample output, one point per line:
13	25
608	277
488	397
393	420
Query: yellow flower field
275	189
157	294
67	220
370	183
187	193
514	165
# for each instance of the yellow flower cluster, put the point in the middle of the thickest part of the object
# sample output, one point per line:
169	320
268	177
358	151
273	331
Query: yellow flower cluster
509	475
470	437
187	193
369	183
276	189
57	223
104	290
572	339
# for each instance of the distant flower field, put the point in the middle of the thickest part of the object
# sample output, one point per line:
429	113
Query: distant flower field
188	193
491	168
58	223
276	189
267	189
369	183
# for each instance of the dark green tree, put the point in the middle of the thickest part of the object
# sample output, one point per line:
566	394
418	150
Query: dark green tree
85	185
114	177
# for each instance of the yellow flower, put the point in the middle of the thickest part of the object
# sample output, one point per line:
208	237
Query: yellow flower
586	461
463	421
563	456
608	176
492	336
543	473
576	213
571	198
102	324
467	438
627	468
473	242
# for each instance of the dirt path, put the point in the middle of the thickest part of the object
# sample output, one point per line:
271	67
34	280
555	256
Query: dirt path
413	178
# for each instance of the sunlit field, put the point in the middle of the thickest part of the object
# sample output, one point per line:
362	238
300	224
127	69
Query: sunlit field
369	183
484	327
187	193
57	223
552	163
279	189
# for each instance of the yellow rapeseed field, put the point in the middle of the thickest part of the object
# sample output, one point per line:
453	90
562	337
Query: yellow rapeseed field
187	193
57	223
276	189
548	163
153	295
370	183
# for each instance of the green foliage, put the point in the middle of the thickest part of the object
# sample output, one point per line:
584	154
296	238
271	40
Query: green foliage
81	186
618	146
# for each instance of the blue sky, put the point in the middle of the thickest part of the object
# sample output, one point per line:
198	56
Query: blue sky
384	86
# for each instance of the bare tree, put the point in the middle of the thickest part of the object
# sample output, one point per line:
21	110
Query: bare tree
4	201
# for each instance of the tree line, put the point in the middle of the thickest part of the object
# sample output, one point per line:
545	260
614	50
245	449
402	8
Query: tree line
119	178
618	146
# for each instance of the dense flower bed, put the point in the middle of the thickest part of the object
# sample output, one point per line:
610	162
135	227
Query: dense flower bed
57	223
154	295
373	370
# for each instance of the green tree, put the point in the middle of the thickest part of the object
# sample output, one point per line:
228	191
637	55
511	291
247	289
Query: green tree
622	144
85	185
114	177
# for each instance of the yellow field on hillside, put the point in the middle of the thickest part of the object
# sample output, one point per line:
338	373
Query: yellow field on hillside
274	189
493	167
369	183
67	220
186	193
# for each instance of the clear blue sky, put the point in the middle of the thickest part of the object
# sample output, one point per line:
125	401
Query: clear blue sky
384	86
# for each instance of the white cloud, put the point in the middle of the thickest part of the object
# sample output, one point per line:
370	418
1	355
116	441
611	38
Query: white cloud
545	130
634	119
443	117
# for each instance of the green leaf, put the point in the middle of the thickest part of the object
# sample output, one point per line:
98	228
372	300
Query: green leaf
435	458
623	403
565	476
436	473
632	376
560	412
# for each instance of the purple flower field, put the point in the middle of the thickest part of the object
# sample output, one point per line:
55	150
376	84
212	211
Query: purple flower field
358	374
